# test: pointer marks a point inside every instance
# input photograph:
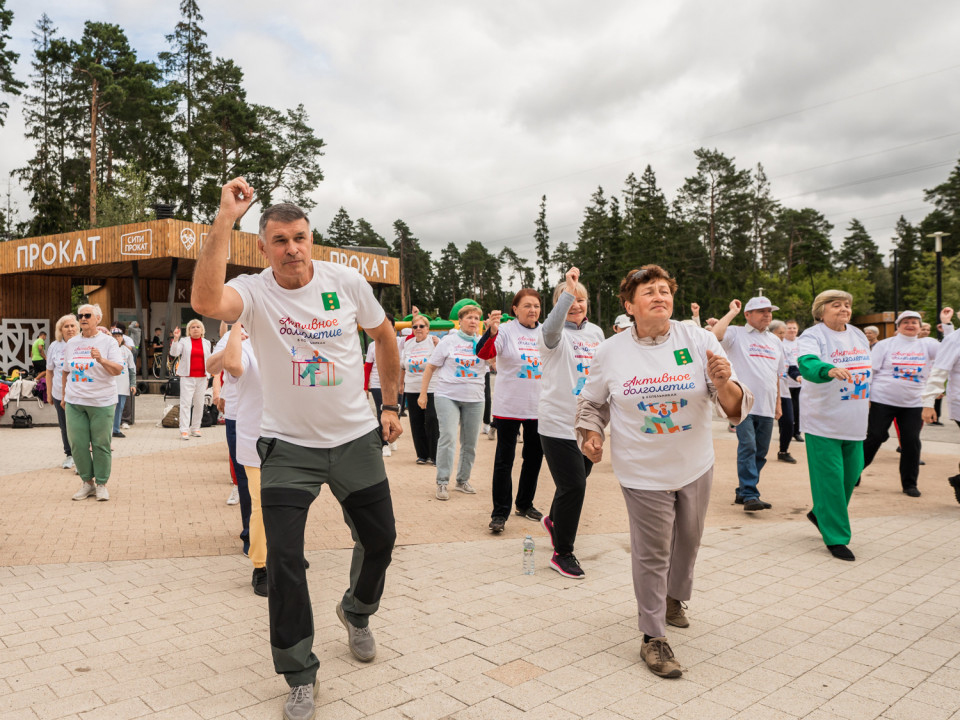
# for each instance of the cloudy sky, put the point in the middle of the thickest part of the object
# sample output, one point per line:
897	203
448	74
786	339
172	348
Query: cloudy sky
457	116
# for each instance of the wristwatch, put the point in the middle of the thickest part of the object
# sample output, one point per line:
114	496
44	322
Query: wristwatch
391	408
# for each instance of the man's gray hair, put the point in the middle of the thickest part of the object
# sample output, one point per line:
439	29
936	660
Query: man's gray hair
872	328
283	213
776	325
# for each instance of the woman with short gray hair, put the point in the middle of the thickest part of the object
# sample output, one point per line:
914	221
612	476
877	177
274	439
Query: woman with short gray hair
834	359
91	361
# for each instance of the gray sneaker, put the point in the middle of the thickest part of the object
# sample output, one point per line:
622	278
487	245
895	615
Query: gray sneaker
360	640
102	493
85	491
300	703
466	487
442	493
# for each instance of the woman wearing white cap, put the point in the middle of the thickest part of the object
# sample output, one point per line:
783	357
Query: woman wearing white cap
901	365
835	365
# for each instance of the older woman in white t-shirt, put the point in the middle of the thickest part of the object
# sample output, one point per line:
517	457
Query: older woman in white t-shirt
66	328
414	354
657	385
834	359
91	361
458	398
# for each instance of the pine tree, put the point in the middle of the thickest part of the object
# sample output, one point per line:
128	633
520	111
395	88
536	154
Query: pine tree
186	62
9	85
341	231
481	274
907	243
763	217
645	222
447	278
804	239
541	235
415	269
859	249
946	217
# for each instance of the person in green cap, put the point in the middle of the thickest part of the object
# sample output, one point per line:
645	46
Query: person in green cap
38	354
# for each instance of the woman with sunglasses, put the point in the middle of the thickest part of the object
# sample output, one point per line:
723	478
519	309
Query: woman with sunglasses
413	359
567	343
515	347
657	386
91	361
67	327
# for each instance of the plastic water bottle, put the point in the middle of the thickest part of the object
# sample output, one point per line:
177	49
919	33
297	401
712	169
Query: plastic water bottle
528	566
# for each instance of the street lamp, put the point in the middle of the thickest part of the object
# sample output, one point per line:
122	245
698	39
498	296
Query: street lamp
938	249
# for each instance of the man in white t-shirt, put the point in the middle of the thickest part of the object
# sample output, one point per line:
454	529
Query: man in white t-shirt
757	358
317	426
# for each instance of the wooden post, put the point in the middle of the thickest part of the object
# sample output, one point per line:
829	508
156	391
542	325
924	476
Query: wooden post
138	304
171	297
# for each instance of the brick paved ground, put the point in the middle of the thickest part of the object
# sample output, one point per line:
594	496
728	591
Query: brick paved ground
141	607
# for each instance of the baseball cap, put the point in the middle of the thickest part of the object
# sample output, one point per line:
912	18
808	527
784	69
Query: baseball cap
908	314
759	303
116	331
623	322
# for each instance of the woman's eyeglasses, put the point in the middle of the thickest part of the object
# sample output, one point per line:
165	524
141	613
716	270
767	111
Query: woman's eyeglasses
85	316
420	327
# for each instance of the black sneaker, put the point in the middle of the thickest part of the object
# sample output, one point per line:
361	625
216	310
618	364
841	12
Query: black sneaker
567	565
911	492
496	524
813	518
119	434
531	513
259	581
841	552
548	523
955	484
421	461
755	504
786	457
738	500
798	438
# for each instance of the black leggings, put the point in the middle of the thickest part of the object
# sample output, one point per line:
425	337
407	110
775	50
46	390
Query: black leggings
910	422
423	426
787	428
502	491
570	469
62	422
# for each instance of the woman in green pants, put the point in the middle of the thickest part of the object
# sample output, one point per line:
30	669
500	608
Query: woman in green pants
91	361
835	395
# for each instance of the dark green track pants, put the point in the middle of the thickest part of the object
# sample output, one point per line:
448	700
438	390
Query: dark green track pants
834	467
291	477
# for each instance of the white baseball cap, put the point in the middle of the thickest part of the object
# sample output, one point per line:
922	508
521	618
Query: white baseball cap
623	322
908	314
759	303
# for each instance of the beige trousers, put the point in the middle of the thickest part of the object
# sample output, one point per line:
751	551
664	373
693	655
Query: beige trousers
258	538
665	531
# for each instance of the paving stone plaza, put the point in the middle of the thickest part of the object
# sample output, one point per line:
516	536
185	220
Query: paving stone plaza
142	606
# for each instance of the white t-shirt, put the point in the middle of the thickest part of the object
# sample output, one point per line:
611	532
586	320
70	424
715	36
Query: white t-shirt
55	364
565	371
308	350
123	379
836	409
948	358
900	369
372	358
518	372
661	412
228	388
459	373
89	383
790	357
757	358
414	356
248	401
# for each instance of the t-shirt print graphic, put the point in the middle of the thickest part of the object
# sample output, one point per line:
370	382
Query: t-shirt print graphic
659	418
311	369
859	389
81	362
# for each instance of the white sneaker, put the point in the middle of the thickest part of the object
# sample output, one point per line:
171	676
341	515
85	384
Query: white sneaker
492	433
485	429
124	426
234	498
442	493
195	433
184	436
102	493
393	445
85	491
67	462
386	451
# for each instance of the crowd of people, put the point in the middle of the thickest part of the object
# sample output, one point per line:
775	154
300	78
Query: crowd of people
290	377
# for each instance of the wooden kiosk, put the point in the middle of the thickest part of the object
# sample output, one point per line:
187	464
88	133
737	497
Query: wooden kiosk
137	272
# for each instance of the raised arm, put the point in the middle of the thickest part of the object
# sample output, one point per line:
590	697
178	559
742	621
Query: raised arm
552	328
210	296
720	328
233	353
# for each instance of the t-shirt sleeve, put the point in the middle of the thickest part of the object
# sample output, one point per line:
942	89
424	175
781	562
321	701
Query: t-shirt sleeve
369	312
933	348
809	344
729	337
113	352
246	286
439	354
595	390
878	355
949	353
